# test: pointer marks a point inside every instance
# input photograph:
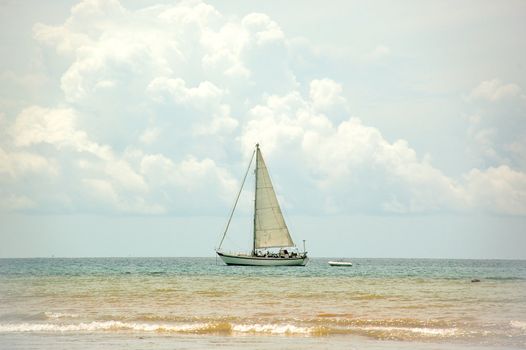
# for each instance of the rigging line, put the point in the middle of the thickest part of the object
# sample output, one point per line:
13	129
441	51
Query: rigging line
235	203
233	243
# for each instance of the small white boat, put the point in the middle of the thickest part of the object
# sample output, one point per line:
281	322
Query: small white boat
340	263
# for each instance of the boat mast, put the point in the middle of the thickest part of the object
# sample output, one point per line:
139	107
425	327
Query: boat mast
255	199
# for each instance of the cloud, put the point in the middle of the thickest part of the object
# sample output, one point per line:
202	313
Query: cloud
198	182
222	123
12	202
223	49
205	101
198	97
88	20
35	127
494	90
93	177
117	51
191	14
517	150
65	42
379	52
54	126
150	135
161	105
190	174
262	28
20	163
496	127
345	155
105	195
498	189
326	94
37	124
357	169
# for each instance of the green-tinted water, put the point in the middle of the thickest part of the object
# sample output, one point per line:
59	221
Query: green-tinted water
411	301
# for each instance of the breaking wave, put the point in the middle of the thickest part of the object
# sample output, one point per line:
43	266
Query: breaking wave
232	328
115	326
518	325
59	315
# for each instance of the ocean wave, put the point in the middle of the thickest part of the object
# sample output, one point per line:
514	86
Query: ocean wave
273	329
111	326
518	324
229	328
427	332
38	316
333	315
59	315
198	328
403	323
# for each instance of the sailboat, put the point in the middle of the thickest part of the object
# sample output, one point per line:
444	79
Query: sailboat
272	244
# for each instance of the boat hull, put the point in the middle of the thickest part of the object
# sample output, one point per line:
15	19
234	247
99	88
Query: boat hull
340	263
245	260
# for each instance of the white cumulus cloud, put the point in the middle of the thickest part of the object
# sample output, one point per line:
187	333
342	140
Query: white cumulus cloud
161	104
356	168
494	90
498	189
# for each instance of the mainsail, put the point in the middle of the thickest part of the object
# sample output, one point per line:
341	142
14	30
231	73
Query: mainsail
270	229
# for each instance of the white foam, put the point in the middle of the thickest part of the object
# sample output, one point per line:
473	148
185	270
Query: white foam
57	315
99	326
518	324
102	326
423	331
271	329
278	329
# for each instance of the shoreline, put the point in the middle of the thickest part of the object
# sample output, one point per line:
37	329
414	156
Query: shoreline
46	341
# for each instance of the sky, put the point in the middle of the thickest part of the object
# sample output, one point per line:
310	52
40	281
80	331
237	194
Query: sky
390	129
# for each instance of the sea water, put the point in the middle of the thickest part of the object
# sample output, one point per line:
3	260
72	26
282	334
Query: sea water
173	303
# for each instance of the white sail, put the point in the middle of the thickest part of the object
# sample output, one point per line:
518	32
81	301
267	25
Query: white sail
270	229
